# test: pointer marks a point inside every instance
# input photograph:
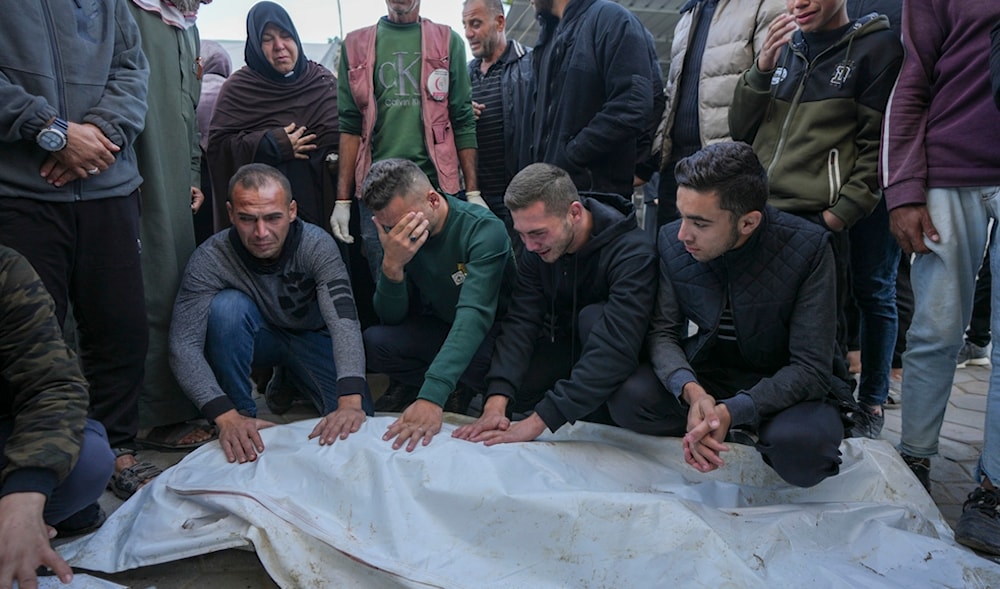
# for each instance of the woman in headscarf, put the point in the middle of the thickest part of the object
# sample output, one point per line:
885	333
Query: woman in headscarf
279	109
217	68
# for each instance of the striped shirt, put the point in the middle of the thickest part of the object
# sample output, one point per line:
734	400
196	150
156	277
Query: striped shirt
487	89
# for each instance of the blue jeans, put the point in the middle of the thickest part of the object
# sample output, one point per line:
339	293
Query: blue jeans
239	339
85	483
944	282
874	262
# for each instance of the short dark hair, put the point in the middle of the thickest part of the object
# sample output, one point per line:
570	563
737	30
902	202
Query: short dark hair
732	170
254	176
541	183
390	178
494	7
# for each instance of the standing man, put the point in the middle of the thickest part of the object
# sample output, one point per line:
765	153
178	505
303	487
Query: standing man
169	159
714	43
445	278
54	462
72	102
271	290
941	172
501	94
403	93
579	314
594	94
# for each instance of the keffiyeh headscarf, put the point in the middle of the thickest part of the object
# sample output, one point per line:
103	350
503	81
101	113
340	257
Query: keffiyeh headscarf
176	13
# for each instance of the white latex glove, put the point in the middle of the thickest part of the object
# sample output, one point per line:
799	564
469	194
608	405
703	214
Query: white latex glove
340	220
476	197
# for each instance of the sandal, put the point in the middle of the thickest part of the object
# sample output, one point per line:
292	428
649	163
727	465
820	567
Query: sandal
130	479
168	437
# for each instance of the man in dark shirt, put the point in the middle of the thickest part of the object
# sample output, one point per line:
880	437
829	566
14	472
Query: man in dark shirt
501	95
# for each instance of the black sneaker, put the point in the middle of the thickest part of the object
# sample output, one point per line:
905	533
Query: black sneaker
279	398
921	468
82	522
866	423
458	401
979	526
396	398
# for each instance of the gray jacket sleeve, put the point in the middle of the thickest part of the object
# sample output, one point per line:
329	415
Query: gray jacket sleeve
188	329
121	111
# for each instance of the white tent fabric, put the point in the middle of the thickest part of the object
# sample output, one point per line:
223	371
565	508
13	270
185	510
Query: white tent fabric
590	506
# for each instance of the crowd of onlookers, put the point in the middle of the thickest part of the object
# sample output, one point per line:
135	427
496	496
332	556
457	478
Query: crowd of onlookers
820	181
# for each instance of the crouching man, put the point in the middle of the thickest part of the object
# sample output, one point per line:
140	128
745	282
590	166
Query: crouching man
271	290
578	317
445	277
759	286
54	462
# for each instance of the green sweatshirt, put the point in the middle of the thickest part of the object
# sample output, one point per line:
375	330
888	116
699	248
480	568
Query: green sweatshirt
399	131
464	275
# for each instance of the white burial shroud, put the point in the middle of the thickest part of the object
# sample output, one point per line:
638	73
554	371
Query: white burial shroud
590	506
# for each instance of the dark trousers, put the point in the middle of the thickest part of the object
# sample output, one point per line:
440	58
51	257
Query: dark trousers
979	327
87	254
85	483
904	309
801	443
638	410
405	351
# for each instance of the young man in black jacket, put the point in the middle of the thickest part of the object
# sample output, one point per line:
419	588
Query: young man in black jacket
580	310
758	285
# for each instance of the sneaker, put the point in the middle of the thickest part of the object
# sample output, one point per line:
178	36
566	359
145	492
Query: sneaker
867	424
740	436
972	355
979	526
895	397
396	398
82	522
278	397
921	468
458	401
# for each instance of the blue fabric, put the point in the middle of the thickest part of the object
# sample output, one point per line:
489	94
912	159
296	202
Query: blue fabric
943	286
239	339
874	262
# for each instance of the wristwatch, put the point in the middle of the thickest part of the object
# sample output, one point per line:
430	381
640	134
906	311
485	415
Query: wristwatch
53	136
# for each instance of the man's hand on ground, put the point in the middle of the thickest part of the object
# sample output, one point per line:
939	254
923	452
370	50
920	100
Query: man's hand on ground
525	430
494	418
239	436
25	545
419	423
346	420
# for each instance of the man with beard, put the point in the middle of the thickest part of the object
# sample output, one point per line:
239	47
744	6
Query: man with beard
271	290
594	96
403	93
169	160
574	329
758	285
501	95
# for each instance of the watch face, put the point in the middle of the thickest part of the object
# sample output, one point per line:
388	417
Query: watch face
51	140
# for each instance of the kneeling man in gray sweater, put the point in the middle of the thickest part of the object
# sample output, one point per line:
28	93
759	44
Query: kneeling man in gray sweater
272	290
